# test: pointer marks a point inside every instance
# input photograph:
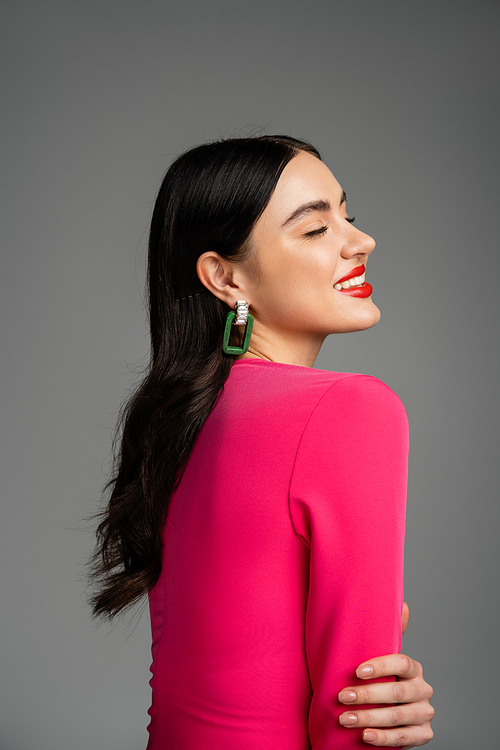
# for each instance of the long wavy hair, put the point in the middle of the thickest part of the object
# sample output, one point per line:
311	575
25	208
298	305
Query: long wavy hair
210	199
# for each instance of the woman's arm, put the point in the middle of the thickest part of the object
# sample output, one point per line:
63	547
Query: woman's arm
413	718
347	501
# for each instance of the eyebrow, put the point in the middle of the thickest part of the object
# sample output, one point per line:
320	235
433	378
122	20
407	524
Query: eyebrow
311	207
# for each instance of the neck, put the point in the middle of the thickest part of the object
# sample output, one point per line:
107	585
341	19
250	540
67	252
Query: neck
287	349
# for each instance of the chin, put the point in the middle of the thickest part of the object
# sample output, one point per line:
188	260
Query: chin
368	320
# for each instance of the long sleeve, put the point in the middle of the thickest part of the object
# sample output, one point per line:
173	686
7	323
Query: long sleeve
347	504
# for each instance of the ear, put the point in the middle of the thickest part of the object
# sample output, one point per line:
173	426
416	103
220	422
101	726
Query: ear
221	277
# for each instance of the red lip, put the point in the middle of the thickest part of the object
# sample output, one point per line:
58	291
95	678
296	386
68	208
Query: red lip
364	290
359	271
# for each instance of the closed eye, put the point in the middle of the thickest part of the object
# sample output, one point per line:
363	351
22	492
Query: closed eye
323	229
317	232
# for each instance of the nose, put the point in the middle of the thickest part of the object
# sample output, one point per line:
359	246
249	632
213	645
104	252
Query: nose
357	243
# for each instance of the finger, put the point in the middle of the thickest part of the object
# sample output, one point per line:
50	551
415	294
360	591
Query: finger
405	617
401	737
386	666
405	691
413	714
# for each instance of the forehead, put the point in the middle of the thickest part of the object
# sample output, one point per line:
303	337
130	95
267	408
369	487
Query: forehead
304	179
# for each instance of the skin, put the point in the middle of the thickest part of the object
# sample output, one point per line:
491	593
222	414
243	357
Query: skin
295	307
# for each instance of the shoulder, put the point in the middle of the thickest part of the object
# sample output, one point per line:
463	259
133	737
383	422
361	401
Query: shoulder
307	389
362	390
358	405
352	457
283	381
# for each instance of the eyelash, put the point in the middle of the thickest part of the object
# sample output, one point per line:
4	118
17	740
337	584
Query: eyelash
322	230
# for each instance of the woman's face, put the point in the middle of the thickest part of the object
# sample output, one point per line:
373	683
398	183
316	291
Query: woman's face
305	245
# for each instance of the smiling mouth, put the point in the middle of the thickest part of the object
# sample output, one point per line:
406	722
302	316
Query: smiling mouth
348	283
356	277
354	284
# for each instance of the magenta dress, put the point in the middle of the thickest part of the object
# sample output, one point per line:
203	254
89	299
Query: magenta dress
283	562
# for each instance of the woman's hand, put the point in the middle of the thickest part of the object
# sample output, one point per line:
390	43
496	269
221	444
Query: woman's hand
410	718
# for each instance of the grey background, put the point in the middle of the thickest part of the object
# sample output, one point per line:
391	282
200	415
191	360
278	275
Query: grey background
97	98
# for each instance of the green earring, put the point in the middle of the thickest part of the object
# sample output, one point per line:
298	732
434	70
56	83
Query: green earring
243	317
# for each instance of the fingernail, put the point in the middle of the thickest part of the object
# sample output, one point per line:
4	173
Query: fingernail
348	719
364	671
347	696
369	736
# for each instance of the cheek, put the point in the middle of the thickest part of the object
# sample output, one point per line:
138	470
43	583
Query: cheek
294	301
296	284
304	271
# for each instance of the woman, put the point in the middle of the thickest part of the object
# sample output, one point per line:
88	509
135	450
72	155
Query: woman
259	501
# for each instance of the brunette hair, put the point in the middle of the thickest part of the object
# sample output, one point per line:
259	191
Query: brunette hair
210	199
